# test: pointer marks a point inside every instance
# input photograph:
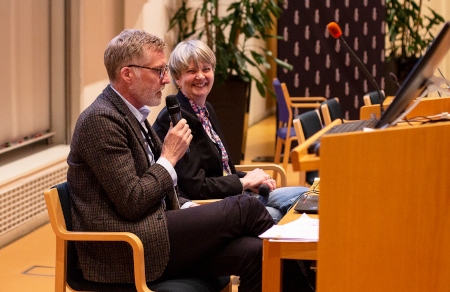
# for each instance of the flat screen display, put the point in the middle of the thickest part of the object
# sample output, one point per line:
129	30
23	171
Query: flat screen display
416	81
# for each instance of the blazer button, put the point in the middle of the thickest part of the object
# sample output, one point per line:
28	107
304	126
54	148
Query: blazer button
160	216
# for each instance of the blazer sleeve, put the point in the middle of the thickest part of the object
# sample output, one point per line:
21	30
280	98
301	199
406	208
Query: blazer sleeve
107	151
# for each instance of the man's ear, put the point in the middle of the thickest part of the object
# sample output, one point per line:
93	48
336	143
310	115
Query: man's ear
125	74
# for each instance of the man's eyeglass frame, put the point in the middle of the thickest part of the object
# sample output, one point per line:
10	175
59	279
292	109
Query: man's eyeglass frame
162	71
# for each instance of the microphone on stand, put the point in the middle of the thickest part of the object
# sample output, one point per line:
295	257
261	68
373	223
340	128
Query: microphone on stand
173	107
336	32
395	79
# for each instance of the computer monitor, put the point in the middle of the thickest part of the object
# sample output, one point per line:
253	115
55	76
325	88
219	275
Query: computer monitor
416	81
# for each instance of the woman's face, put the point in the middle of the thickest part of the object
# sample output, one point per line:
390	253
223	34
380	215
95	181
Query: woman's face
196	83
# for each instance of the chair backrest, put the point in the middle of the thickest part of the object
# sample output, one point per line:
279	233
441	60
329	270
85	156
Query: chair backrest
64	200
310	123
284	110
373	97
74	275
331	110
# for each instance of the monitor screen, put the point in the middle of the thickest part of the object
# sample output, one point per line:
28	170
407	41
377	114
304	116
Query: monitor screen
416	81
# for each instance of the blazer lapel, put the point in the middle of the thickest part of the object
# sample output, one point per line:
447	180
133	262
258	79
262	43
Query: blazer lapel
123	109
216	125
155	140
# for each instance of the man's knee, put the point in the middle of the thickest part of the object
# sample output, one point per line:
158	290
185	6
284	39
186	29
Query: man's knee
275	214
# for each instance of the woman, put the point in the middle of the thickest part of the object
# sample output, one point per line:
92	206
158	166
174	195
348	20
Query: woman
210	173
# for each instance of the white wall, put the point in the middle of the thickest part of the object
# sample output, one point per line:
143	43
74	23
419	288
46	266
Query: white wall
98	24
101	20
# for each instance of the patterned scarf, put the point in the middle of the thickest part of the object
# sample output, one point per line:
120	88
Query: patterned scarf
202	115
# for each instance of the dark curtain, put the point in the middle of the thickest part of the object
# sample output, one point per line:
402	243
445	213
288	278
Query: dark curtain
322	65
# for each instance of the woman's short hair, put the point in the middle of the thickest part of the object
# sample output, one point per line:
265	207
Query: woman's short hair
127	48
190	50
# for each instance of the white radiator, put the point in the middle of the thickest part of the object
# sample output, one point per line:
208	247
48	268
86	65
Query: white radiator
22	185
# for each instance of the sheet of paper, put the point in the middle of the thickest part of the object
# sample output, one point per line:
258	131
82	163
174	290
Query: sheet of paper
304	228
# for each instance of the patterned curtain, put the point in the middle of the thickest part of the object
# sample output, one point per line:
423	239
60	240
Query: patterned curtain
322	65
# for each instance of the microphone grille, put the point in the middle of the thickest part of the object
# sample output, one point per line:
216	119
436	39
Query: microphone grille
334	29
172	104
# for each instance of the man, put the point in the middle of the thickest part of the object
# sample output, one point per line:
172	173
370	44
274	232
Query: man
122	178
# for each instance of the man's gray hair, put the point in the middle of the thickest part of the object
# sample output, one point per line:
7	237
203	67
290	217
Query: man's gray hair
127	48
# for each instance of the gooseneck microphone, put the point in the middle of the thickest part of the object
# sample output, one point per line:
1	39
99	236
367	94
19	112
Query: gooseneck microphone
395	79
336	32
173	107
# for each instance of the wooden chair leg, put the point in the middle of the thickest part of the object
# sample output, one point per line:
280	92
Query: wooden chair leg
278	150
287	152
60	265
302	178
277	155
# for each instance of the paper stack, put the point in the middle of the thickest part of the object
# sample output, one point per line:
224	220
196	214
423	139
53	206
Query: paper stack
304	228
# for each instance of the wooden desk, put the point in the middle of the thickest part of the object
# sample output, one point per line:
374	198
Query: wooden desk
275	250
384	210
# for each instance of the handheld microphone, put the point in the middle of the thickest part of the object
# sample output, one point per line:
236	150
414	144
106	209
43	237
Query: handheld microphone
395	79
336	32
173	107
264	191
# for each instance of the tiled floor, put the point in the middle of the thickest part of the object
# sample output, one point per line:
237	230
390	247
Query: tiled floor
28	263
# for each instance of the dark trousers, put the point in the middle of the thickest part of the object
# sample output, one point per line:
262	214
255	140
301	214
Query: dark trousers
219	239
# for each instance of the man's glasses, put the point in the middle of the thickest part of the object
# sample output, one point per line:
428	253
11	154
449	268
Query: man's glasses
162	71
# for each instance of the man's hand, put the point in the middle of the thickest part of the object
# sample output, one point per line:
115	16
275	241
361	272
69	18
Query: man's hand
176	142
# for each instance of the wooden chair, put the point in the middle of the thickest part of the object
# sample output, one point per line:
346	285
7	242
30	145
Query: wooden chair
285	131
330	110
68	274
306	125
372	98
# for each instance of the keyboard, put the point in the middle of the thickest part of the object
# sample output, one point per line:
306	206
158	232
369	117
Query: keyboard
343	128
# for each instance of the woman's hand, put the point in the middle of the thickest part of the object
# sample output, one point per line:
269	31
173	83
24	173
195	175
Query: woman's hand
253	179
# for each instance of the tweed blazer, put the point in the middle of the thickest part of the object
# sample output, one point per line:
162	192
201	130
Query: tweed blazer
114	188
201	178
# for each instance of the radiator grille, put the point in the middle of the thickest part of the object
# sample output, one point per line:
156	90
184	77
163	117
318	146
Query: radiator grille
23	200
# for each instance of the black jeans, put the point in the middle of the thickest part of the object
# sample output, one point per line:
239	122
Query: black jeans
219	239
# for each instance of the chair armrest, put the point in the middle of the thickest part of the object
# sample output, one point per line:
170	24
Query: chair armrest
207	201
130	238
308	99
59	228
306	102
302	150
265	166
